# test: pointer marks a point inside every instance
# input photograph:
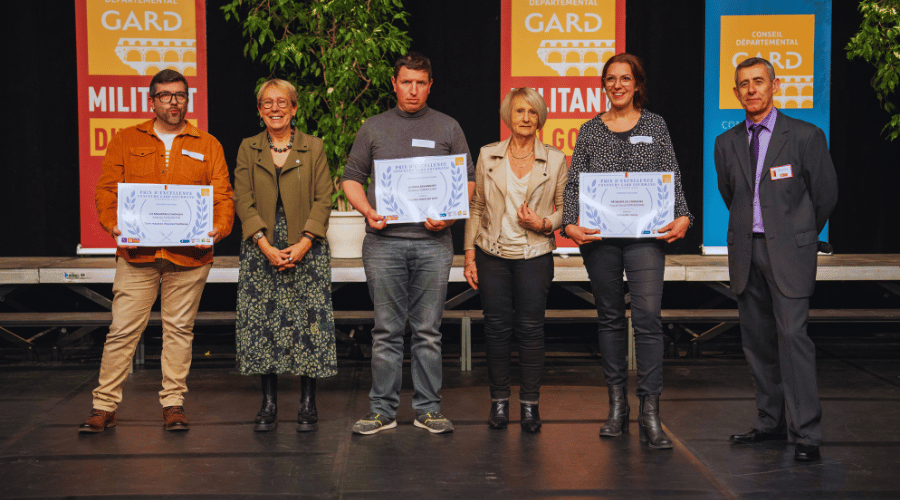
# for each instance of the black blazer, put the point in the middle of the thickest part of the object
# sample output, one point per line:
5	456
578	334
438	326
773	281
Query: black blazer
794	210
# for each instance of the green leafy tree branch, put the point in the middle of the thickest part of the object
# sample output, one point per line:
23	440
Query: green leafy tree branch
338	53
878	43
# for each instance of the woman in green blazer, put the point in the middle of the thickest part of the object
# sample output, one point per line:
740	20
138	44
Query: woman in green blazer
285	321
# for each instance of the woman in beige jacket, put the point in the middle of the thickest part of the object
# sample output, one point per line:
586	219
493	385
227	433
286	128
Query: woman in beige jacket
285	321
516	207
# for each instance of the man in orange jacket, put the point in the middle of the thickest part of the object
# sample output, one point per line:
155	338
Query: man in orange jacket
164	150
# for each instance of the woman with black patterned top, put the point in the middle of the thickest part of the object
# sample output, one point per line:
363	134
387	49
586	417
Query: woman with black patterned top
627	138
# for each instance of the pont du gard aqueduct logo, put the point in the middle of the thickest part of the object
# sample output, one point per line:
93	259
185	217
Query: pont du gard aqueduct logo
141	39
562	38
787	41
147	56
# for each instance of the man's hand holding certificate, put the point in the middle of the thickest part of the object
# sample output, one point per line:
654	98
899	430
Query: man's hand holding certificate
627	204
164	215
414	189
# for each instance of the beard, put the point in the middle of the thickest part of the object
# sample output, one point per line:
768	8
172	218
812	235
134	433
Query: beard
165	114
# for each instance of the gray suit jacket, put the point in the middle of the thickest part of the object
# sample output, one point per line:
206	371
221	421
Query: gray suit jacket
794	210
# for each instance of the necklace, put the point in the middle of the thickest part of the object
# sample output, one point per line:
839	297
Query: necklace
286	148
520	157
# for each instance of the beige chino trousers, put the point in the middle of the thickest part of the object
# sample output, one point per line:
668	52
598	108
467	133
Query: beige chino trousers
134	292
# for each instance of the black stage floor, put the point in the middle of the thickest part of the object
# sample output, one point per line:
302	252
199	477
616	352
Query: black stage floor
42	456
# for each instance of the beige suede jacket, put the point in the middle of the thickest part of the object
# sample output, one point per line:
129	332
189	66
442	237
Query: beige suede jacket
544	195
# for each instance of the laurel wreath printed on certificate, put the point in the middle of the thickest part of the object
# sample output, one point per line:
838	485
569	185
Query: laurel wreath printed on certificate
164	215
422	187
626	204
593	215
661	201
458	190
389	200
131	226
202	212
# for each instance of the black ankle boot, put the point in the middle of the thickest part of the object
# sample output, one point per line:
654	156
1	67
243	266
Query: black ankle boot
651	431
307	416
499	418
267	418
531	418
617	421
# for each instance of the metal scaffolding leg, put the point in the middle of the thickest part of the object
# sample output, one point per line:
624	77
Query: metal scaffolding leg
139	352
465	359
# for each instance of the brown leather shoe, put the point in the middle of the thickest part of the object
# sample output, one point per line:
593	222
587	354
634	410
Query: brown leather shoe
175	418
98	421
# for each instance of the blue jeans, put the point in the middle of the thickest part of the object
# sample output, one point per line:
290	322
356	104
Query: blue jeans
514	298
644	262
407	281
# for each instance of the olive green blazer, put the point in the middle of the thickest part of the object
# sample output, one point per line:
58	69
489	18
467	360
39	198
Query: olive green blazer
305	185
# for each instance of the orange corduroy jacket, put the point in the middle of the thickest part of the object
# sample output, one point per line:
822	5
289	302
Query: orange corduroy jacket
137	155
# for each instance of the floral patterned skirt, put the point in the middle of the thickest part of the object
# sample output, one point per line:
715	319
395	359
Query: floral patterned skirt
285	320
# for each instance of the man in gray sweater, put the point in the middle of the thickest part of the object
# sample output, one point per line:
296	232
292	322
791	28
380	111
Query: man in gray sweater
407	265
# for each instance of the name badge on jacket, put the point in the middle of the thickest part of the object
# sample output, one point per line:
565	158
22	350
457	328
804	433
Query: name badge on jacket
782	172
637	139
192	154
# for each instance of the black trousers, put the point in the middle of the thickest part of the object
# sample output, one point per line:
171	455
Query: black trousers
781	356
514	299
644	263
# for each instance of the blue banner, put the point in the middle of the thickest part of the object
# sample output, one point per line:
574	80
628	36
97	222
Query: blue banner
795	36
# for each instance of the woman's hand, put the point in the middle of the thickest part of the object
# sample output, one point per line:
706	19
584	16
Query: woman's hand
582	235
529	219
675	230
277	258
295	253
471	270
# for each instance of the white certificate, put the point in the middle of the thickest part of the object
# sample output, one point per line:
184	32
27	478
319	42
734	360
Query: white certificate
165	215
411	189
626	204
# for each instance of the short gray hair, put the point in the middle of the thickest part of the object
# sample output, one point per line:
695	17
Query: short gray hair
532	97
753	61
282	85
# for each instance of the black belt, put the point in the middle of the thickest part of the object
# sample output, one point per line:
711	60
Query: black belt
759	235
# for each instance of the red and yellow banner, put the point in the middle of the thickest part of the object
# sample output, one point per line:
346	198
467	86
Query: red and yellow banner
558	47
121	44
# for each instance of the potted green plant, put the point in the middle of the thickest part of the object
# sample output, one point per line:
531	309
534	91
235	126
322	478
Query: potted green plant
878	43
339	54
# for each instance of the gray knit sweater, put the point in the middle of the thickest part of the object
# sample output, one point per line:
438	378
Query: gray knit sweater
390	135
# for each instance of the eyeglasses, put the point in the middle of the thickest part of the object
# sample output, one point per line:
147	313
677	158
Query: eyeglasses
166	97
626	80
268	103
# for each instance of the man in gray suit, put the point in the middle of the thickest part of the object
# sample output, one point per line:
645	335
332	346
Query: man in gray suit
777	180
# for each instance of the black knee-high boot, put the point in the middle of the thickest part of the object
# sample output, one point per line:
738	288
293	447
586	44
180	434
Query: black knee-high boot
307	416
267	418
